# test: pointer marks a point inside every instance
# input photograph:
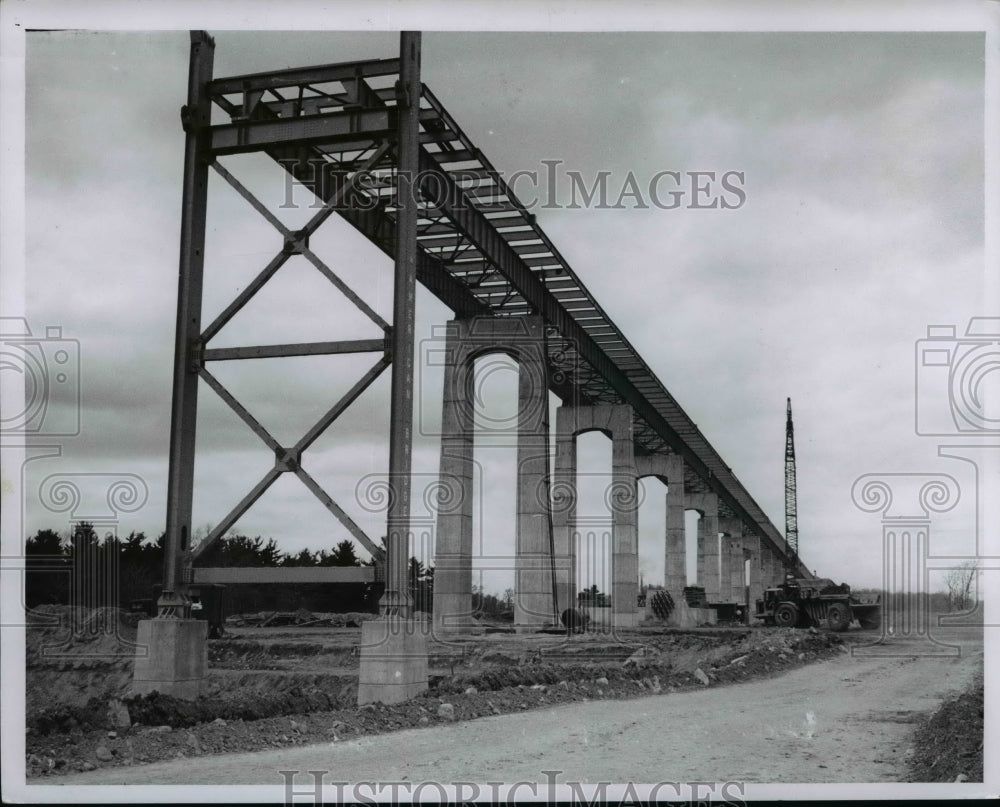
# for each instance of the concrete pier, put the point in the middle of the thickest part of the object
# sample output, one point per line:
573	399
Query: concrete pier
621	497
523	339
707	504
564	500
731	529
753	543
733	560
737	569
393	665
171	657
675	552
772	570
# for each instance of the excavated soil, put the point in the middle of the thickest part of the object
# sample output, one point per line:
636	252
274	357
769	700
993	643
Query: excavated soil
948	746
286	686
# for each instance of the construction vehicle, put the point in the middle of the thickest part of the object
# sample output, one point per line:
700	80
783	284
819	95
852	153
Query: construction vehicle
806	602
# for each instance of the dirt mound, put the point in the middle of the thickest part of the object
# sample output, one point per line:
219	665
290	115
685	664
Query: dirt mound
58	635
240	654
301	618
75	656
949	743
156	709
674	658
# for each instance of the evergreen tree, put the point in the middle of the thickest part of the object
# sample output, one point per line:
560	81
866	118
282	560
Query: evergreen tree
343	554
44	542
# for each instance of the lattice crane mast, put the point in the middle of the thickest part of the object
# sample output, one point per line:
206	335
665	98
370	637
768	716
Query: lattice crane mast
791	505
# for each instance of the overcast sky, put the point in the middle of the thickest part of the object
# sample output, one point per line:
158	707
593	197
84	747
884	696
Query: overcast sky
863	223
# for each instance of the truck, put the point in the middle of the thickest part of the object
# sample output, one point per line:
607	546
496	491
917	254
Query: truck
804	602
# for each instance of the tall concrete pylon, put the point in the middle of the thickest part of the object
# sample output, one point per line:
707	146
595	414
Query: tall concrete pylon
614	420
523	339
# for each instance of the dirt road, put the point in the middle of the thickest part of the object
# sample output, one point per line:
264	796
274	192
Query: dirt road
845	720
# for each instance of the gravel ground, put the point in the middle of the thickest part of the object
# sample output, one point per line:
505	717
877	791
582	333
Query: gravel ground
282	697
850	718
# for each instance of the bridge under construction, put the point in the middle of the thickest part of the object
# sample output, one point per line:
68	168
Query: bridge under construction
381	151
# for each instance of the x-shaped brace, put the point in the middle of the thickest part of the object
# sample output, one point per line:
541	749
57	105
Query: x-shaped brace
296	243
289	459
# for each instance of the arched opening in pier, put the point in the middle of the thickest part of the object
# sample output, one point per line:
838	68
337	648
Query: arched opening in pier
709	554
494	507
691	519
593	518
652	531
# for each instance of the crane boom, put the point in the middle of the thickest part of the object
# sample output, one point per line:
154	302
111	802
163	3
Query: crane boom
791	504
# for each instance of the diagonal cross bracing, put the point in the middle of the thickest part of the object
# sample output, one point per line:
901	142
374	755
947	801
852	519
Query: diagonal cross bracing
295	242
289	459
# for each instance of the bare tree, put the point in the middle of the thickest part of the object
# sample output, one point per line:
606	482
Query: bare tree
959	582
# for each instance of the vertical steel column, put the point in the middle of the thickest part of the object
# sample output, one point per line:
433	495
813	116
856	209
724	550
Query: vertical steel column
195	117
396	600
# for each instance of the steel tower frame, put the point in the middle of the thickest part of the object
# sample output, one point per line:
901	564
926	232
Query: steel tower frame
386	141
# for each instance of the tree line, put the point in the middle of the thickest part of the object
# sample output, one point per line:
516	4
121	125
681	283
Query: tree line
84	568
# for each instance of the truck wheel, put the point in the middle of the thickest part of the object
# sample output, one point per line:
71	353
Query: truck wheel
838	617
786	615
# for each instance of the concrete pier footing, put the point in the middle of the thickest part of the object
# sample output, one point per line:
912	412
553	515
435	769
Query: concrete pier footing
171	657
393	660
